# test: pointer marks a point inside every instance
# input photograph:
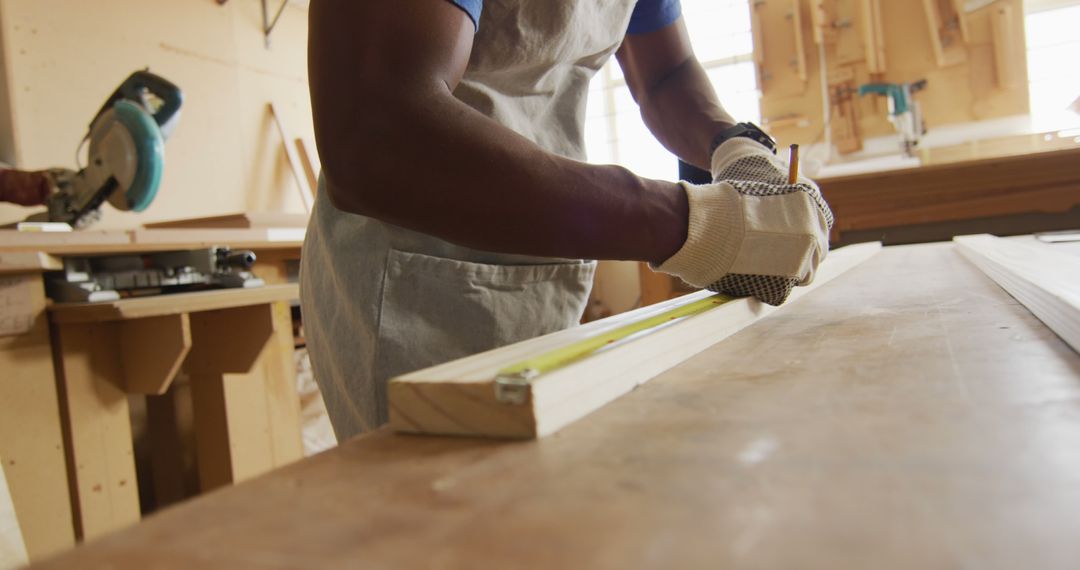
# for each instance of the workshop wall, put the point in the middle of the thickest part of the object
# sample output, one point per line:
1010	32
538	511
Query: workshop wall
61	59
972	54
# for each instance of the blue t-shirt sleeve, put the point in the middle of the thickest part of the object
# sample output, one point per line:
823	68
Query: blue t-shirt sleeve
472	8
652	15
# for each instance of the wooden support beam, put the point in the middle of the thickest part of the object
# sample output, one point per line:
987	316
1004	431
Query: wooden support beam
246	408
459	398
153	350
294	159
309	159
1042	279
12	547
31	441
97	427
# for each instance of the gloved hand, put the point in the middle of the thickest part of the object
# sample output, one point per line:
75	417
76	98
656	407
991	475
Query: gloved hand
750	232
24	187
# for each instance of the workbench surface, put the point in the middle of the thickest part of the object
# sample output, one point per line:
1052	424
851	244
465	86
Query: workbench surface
908	414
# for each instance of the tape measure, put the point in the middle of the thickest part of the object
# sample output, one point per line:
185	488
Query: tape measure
512	382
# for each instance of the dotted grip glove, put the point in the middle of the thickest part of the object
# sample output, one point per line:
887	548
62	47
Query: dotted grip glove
750	232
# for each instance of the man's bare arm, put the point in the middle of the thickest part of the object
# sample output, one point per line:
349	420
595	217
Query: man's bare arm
396	145
677	102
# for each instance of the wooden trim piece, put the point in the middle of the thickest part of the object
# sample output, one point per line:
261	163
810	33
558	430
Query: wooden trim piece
28	262
66	242
12	547
294	160
800	49
1001	23
154	348
934	27
873	35
160	305
242	220
309	159
458	398
1042	279
758	39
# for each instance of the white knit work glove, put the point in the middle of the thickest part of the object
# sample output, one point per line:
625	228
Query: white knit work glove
750	232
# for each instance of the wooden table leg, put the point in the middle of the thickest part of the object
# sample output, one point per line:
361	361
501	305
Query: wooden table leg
247	411
31	443
97	427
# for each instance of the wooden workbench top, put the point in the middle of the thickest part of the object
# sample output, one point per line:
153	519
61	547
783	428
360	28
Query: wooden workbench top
909	414
171	304
91	242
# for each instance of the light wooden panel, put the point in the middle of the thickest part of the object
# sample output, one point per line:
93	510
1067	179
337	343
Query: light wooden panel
458	398
1046	281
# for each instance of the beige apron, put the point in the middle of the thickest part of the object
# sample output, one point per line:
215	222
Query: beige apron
379	300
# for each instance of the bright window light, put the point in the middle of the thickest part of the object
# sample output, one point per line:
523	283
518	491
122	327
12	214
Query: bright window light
720	32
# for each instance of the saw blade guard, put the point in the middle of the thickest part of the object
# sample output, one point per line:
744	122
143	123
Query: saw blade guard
148	158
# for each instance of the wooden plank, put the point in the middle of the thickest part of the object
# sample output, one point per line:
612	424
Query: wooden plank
797	32
160	305
1001	23
294	160
1043	182
69	242
873	29
154	348
185	238
1045	281
28	262
280	390
31	442
309	159
247	414
243	220
908	415
12	547
97	428
458	398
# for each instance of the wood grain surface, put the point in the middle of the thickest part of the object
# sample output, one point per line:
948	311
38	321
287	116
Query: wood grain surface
159	305
1047	182
909	415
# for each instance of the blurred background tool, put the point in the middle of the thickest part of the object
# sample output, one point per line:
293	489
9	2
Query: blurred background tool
904	111
126	153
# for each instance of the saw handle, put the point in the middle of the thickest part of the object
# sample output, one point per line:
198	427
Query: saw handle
132	90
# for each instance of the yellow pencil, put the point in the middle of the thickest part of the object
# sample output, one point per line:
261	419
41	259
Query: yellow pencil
793	165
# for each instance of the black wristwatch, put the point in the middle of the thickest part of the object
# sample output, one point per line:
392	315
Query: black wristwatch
748	130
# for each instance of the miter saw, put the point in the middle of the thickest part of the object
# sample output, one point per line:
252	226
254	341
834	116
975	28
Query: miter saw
904	111
126	155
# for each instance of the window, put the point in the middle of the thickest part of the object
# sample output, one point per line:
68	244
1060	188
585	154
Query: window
720	32
1053	43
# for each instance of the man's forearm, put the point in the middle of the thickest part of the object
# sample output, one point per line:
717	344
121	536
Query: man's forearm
685	114
677	101
428	162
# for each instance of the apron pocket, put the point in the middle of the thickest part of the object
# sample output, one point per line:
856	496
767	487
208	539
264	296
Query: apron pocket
434	310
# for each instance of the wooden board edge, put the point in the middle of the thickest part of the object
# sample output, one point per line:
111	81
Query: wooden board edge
1051	300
